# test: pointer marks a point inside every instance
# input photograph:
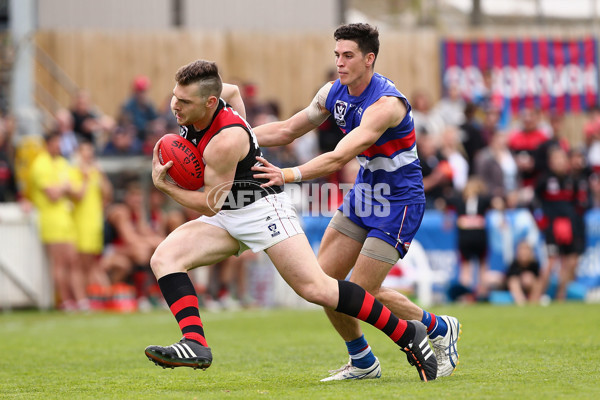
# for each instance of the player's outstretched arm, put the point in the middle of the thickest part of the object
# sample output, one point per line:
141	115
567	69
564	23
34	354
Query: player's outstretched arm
280	133
284	132
231	94
381	115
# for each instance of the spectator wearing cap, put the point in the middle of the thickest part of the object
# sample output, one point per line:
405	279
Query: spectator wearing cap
139	109
251	102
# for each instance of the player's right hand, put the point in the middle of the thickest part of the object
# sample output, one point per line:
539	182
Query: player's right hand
159	171
269	171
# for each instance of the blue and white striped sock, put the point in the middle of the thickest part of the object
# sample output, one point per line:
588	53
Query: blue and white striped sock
360	353
434	324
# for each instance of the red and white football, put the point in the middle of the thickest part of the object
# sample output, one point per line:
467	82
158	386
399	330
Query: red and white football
187	170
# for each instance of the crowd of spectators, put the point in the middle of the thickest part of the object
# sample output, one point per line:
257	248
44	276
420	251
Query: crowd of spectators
527	164
100	229
474	159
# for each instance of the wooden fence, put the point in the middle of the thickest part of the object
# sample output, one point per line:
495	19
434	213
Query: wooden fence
287	67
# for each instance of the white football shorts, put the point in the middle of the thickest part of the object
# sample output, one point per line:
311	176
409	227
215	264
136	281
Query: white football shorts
261	224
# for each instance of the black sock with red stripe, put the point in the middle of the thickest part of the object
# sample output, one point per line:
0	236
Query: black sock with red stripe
180	295
358	303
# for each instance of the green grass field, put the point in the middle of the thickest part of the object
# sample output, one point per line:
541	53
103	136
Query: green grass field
506	352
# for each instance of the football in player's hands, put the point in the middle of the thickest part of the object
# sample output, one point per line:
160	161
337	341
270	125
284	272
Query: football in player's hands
187	170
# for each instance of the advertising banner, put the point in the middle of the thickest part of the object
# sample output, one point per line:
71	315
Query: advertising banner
561	75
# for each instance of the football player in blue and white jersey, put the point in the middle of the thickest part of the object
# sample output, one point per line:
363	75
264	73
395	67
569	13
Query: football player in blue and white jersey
382	213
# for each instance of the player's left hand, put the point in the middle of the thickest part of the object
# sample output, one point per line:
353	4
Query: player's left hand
269	171
159	171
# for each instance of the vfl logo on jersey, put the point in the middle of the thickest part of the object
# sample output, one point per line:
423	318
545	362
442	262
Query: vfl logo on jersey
183	131
273	229
339	112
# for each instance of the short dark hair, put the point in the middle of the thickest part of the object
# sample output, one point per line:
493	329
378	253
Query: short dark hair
365	35
204	72
52	134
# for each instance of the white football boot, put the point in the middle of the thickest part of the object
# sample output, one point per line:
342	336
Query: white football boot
349	371
446	347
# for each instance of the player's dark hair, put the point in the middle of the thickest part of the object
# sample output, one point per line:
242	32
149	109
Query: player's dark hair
204	72
52	134
365	36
